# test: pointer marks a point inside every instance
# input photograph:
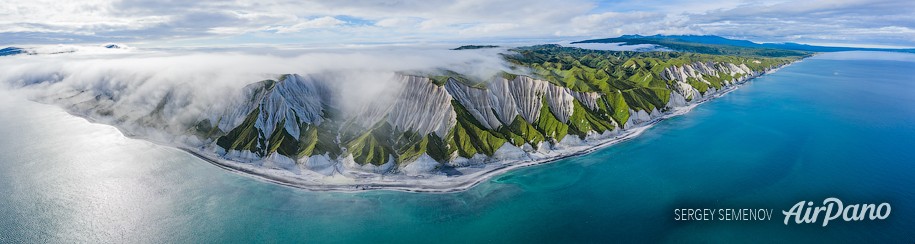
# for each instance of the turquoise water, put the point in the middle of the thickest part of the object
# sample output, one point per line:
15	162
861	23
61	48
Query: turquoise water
832	126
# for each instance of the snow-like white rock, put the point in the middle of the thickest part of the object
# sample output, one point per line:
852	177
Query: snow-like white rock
676	100
654	113
287	102
477	159
636	118
509	152
241	156
476	101
278	161
422	107
697	70
350	164
528	95
503	100
561	101
589	99
423	165
570	141
321	164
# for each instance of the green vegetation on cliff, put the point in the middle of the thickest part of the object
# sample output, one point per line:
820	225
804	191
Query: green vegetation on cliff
636	76
623	81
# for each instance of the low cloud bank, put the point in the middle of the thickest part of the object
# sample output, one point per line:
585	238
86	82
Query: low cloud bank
183	86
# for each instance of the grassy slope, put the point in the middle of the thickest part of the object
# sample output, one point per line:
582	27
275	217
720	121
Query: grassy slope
633	76
625	80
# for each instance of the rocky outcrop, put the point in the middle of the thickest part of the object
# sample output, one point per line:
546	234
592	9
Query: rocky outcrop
589	99
700	71
697	70
478	102
676	100
422	107
416	104
502	100
528	96
561	101
437	124
289	102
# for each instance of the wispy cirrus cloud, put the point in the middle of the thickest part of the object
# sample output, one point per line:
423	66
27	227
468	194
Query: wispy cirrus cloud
316	23
362	21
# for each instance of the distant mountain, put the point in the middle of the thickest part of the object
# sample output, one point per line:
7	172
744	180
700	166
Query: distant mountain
57	49
719	45
12	51
467	47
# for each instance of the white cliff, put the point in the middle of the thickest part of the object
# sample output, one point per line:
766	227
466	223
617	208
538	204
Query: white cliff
291	101
528	95
502	100
700	70
589	99
561	101
477	102
422	107
407	103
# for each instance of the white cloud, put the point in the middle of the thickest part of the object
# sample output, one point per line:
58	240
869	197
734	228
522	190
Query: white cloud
483	29
397	22
199	83
355	21
322	22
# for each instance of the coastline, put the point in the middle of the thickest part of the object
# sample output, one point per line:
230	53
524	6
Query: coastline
439	183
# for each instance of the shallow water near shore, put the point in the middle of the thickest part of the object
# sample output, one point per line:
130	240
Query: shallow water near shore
837	125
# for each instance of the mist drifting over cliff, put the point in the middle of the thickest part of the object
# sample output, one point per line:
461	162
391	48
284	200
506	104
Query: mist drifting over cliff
181	85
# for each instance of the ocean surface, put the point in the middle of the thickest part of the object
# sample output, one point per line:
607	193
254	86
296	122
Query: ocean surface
837	125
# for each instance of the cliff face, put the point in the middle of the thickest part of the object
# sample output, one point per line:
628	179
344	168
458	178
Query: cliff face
422	107
503	100
699	70
287	103
424	127
686	76
268	113
424	124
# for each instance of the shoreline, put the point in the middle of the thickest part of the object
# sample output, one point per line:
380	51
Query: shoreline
450	184
475	178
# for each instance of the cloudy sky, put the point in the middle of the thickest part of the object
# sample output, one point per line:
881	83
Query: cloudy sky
345	22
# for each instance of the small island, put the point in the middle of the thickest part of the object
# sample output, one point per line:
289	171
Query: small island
469	47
